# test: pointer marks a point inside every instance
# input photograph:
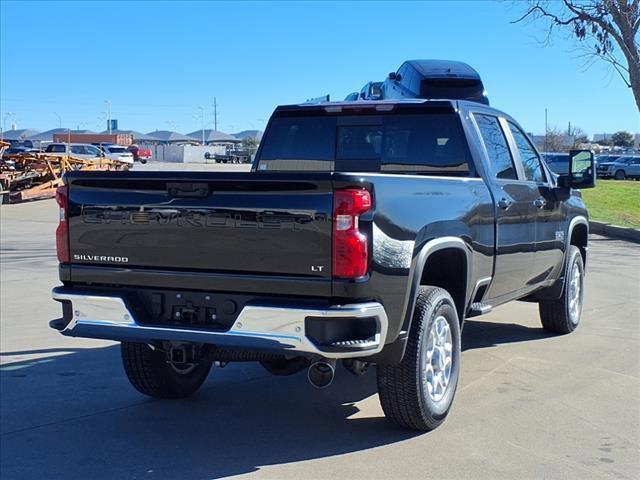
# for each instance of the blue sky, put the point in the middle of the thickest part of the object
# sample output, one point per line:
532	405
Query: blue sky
157	62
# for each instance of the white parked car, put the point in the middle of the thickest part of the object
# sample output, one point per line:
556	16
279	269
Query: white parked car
117	152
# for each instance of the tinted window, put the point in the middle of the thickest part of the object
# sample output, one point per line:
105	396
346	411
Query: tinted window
77	149
497	147
299	143
117	149
407	80
93	151
427	143
402	71
415	83
528	155
56	149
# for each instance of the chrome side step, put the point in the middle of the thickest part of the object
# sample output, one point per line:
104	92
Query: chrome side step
479	308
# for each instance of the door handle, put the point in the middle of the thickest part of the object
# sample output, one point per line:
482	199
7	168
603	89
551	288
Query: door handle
539	202
504	203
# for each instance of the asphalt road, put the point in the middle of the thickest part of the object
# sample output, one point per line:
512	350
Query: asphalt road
530	405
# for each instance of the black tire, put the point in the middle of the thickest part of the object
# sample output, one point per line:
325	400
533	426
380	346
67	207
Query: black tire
403	388
143	161
620	175
149	372
558	316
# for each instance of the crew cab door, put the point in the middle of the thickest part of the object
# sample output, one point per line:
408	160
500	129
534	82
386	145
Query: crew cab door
549	219
515	212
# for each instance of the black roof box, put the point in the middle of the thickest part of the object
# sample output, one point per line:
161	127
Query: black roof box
447	79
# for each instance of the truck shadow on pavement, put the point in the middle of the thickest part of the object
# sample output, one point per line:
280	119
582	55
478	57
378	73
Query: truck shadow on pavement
75	416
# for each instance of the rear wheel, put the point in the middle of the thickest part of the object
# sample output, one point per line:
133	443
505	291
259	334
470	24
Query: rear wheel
620	175
418	392
563	315
150	372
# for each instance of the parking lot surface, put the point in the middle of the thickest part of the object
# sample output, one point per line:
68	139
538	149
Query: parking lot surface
530	404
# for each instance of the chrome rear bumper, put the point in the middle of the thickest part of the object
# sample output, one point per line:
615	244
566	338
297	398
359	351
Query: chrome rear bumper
257	327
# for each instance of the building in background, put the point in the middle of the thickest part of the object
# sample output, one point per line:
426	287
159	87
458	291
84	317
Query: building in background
168	137
214	137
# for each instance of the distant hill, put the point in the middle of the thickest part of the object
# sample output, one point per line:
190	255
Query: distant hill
249	134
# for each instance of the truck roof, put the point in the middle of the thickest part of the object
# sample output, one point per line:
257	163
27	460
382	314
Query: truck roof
387	105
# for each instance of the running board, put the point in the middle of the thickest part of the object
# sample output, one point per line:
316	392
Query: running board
479	308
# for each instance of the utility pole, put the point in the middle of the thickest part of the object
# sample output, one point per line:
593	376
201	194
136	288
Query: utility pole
59	119
202	122
215	114
108	116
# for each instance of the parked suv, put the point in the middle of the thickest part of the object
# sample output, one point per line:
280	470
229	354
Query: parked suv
621	168
117	152
78	150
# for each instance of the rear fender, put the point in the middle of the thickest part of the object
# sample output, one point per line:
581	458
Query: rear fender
394	352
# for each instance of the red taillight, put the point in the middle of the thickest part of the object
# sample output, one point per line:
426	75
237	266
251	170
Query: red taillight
62	232
350	251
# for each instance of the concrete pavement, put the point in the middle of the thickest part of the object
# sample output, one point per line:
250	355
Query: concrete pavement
530	405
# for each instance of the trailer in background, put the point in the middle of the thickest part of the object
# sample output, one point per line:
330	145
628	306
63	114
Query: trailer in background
110	138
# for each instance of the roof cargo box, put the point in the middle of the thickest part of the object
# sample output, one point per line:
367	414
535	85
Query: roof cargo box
435	79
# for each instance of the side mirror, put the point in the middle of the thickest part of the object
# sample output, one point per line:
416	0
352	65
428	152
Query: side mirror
392	76
582	172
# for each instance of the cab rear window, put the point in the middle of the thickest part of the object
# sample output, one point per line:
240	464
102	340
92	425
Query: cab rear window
400	143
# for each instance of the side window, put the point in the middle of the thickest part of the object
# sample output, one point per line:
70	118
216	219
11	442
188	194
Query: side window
56	148
92	151
415	83
530	160
497	147
402	71
77	149
407	81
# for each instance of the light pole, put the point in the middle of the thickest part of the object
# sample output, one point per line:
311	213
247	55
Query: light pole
202	122
215	114
108	115
59	119
6	115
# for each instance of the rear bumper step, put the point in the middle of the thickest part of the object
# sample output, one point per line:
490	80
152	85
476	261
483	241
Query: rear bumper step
257	327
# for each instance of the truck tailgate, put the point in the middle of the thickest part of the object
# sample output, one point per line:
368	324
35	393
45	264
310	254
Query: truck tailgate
258	223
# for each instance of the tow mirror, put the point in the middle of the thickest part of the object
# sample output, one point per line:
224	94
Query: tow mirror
392	76
582	172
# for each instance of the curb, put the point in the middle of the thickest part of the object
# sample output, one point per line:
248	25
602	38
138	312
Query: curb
614	231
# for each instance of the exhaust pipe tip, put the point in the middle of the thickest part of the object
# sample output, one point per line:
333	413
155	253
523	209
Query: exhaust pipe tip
320	374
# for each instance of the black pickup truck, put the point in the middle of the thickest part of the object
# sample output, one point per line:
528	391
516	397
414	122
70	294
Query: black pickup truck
366	232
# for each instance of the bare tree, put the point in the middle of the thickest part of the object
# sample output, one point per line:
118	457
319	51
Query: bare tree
555	140
611	24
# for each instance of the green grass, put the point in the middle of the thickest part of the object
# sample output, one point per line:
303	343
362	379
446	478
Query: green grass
614	201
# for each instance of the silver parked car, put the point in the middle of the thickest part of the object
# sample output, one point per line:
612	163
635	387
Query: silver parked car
620	168
78	150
